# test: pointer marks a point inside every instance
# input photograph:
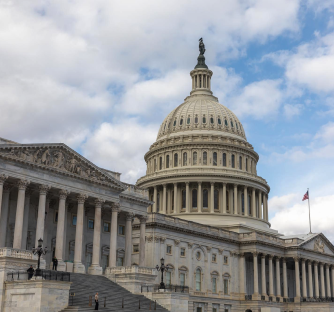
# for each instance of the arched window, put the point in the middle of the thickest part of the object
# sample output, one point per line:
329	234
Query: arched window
172	201
233	161
246	164
227	201
174	124
214	159
226	124
165	126
176	159
236	124
211	120
196	119
204	119
198	280
185	159
181	121
216	200
240	162
205	158
219	121
183	199
188	120
224	159
205	198
195	158
194	198
242	203
158	202
167	161
160	163
231	123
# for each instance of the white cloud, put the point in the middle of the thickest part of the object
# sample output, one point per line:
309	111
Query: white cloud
291	111
326	133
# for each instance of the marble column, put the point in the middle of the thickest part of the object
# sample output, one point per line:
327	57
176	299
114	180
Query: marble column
304	289
212	197
256	276
332	274
187	198
285	280
316	280
328	282
263	275
253	203
18	231
95	268
278	277
235	202
224	197
199	197
265	216
113	235
26	219
322	280
3	178
78	267
271	276
4	214
142	241
61	230
128	239
245	200
260	205
310	282
242	279
164	201
43	190
297	278
155	196
175	198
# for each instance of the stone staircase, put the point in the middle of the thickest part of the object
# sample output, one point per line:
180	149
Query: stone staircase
84	285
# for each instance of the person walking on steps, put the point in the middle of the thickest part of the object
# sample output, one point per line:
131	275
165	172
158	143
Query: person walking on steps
55	263
96	301
30	272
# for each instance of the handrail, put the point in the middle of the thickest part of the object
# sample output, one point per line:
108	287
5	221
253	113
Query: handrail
169	288
45	274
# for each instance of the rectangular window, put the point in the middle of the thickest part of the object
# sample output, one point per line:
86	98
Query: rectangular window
56	217
119	261
214	285
183	252
168	278
199	309
214	258
169	250
106	226
135	248
182	279
121	230
225	287
74	219
225	259
91	224
214	309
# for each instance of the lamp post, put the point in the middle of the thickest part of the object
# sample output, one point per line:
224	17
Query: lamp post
39	251
162	268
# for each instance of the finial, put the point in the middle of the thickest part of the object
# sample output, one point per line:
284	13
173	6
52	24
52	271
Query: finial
201	58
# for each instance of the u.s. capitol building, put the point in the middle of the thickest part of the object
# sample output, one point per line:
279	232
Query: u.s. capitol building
201	206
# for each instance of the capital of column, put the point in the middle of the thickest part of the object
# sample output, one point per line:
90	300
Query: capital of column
129	216
115	207
43	189
187	183
296	258
142	219
164	185
278	258
241	254
327	265
263	256
98	202
303	260
3	178
82	198
315	262
284	259
235	185
321	264
63	194
22	184
255	253
271	257
212	183
200	182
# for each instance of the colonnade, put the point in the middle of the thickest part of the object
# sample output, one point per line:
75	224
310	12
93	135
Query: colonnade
21	219
221	198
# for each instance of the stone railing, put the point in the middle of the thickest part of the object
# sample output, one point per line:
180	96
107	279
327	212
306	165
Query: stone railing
199	293
17	253
136	190
131	269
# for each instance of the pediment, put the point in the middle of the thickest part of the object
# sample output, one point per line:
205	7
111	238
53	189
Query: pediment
61	159
320	244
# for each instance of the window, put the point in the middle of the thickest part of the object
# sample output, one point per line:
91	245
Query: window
169	250
158	202
214	285
216	199
119	261
183	199
182	279
176	159
246	164
214	310
205	198
198	255
224	159
249	205
198	309
91	224
214	159
135	248
242	203
211	120
183	252
227	201
188	120
56	217
155	165
181	121
198	283
226	124
172	200
74	220
214	257
160	163
231	123
205	158
195	158
204	119
194	198
168	278
174	124
233	161
219	121
240	162
167	161
106	226
196	119
225	259
225	286
236	124
121	230
184	159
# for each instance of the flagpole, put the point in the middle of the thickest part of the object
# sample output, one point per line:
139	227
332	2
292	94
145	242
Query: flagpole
309	209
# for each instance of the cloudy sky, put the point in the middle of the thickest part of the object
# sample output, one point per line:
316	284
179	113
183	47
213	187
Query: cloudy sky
101	76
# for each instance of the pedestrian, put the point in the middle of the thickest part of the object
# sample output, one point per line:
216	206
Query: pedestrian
30	272
96	301
55	263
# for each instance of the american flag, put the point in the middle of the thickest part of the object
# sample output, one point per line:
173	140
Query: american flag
305	196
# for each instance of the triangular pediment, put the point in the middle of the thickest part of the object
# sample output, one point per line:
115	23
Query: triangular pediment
319	243
59	158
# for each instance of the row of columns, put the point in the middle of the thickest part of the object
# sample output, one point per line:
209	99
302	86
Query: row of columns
22	208
260	197
205	80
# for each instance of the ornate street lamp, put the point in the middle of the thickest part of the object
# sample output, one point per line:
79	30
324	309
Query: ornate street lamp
162	268
39	251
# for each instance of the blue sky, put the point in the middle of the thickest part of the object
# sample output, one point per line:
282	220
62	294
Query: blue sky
101	76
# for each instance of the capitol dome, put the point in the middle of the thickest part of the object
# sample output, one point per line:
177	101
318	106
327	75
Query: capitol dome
201	167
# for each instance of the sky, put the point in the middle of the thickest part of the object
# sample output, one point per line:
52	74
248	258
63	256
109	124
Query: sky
101	76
